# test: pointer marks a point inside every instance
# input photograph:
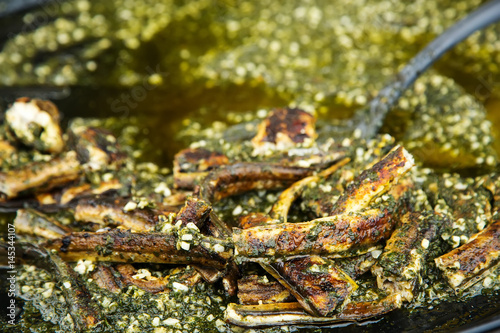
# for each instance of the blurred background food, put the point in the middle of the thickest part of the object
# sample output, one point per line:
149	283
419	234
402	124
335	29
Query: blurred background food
171	63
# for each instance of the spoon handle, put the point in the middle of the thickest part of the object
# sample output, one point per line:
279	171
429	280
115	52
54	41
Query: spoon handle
370	118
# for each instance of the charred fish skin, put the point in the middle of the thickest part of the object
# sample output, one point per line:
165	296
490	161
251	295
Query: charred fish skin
40	175
30	221
374	181
336	236
321	197
124	246
462	264
107	211
279	211
255	289
191	165
35	123
317	283
242	177
284	128
195	211
293	314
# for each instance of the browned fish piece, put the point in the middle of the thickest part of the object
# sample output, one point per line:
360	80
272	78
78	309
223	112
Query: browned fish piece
107	211
254	220
29	221
151	284
399	267
230	278
254	289
285	127
193	164
198	212
242	177
341	235
195	211
209	274
374	181
318	284
279	211
293	313
58	198
124	246
41	176
71	193
461	265
105	278
35	123
96	148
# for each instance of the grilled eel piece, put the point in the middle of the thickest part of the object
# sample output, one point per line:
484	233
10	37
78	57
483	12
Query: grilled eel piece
254	289
463	266
399	267
106	211
194	211
279	211
114	278
81	307
242	177
92	148
294	314
35	123
191	165
58	171
29	221
198	212
124	246
342	235
284	128
317	283
63	197
327	294
374	181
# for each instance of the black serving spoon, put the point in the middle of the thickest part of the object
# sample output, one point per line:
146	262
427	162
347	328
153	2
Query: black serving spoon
370	118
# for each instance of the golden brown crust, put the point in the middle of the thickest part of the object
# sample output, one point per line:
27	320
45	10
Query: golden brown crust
374	181
195	211
286	127
481	252
124	246
317	284
294	314
110	212
104	278
242	177
31	222
340	235
280	209
40	175
254	289
192	164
